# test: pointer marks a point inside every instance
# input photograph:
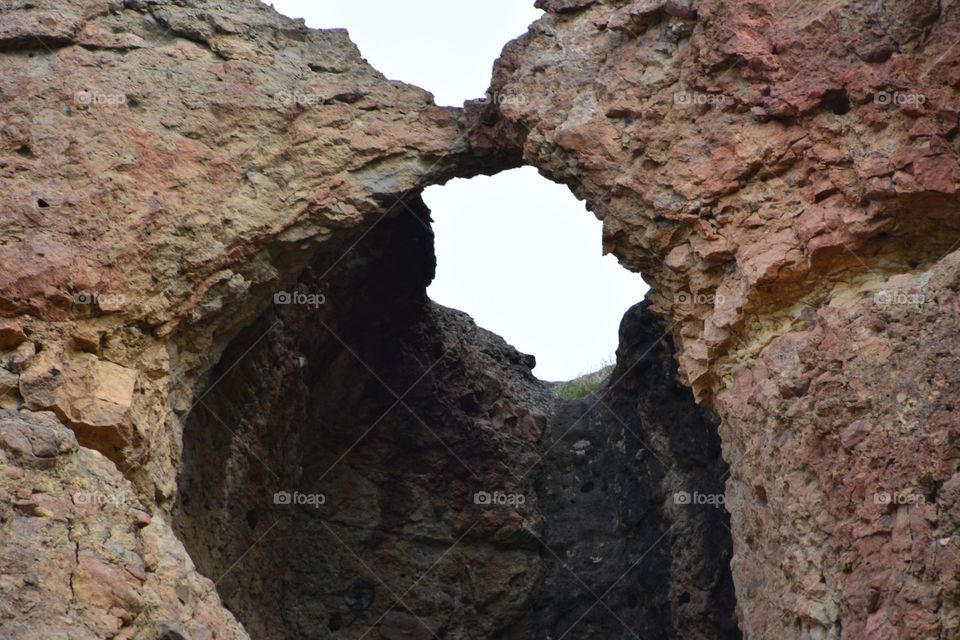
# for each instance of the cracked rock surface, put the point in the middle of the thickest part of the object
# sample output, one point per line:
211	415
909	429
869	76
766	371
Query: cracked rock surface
786	176
177	176
81	556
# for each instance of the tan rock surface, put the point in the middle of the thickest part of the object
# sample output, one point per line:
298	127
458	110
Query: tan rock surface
81	555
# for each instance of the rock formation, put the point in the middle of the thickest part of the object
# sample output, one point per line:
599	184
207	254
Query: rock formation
81	556
395	413
785	174
631	492
222	381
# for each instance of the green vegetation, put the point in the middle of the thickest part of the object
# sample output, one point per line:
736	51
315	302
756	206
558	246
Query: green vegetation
576	389
582	386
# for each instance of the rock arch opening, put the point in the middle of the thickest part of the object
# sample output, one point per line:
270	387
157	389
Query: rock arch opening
523	257
368	461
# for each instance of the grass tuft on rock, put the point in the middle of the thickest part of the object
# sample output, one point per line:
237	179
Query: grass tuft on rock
582	386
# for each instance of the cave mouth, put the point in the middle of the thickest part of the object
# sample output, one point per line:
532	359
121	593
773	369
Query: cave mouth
522	256
366	461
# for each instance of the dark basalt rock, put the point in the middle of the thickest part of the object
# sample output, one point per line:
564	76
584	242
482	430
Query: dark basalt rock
623	554
403	415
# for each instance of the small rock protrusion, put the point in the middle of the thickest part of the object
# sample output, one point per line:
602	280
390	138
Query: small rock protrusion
397	625
87	341
11	334
171	631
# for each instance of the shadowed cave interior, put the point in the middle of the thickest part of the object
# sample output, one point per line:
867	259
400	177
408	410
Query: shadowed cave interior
331	476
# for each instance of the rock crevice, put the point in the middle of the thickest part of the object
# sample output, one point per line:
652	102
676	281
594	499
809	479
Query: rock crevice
430	460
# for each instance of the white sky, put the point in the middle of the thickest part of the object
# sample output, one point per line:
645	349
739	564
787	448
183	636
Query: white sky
517	252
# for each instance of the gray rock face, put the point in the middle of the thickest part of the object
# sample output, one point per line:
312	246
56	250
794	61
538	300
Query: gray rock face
635	537
399	412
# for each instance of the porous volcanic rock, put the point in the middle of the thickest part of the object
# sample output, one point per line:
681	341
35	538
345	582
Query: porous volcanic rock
635	537
390	415
786	176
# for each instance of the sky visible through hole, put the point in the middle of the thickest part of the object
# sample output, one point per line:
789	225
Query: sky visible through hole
518	253
522	256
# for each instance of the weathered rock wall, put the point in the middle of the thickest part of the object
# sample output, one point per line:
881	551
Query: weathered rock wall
397	412
167	167
786	176
80	555
635	536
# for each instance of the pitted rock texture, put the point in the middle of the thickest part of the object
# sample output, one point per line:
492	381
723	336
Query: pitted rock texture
81	556
635	537
852	467
166	169
786	176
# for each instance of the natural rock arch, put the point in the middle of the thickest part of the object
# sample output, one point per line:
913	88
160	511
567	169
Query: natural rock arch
801	247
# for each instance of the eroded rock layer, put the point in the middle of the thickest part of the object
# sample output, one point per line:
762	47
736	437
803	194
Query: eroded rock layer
180	181
786	176
166	170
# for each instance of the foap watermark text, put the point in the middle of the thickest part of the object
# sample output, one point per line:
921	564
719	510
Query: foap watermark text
296	498
697	498
499	499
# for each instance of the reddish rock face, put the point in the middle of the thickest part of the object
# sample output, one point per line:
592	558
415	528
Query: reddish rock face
847	479
785	174
741	155
165	168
